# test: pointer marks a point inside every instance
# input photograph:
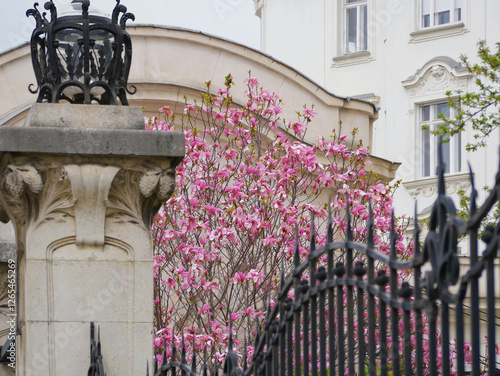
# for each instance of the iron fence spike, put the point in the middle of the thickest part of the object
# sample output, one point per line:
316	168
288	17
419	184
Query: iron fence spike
282	272
416	240
205	368
172	345
193	361
473	193
183	348
348	219
440	168
268	315
245	353
257	332
312	246
393	236
329	222
369	225
164	361
296	255
99	340
230	343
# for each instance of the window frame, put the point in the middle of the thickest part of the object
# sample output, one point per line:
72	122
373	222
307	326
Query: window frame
454	166
432	24
360	32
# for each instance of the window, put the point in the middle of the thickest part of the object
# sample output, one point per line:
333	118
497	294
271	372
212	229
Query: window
452	156
355	25
440	12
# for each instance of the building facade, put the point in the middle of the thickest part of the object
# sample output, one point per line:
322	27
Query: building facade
403	56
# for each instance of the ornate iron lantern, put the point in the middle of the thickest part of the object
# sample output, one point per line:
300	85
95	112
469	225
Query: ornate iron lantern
82	55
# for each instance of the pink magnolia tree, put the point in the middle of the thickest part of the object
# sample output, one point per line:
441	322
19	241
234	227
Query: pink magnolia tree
248	181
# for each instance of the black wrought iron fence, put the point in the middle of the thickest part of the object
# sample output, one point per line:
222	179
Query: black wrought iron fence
359	317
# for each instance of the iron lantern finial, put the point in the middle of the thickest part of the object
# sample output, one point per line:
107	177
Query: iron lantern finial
81	55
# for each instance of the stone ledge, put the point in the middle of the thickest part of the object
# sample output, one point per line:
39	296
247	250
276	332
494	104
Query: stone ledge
352	55
62	115
385	169
89	141
437	29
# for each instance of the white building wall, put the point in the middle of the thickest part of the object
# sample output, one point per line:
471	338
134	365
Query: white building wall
310	37
301	43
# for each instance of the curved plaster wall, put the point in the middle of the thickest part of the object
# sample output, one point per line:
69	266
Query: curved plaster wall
170	63
173	60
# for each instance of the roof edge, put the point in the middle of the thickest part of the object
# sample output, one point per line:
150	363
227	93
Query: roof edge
273	59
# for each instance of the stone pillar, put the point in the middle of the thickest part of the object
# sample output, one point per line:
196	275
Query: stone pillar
81	185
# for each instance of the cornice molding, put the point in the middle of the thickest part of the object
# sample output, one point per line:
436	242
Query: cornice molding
428	186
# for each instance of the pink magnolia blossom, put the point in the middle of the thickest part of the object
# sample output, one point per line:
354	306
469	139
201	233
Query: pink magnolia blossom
205	310
255	275
250	311
235	316
247	182
238	277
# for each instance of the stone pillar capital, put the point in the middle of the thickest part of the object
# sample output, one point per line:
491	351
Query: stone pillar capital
91	193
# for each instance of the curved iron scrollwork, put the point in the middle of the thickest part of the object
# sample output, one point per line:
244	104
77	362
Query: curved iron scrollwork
347	318
441	242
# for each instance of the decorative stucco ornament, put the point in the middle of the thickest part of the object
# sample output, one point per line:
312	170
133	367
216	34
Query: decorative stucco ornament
16	177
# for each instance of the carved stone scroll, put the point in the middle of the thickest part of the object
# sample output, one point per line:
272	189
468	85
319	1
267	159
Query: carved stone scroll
90	185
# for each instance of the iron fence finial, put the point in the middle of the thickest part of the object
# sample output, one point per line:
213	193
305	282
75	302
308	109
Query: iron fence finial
230	342
329	229
313	234
369	226
441	167
193	360
348	219
183	348
416	232
205	368
393	237
473	193
296	254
